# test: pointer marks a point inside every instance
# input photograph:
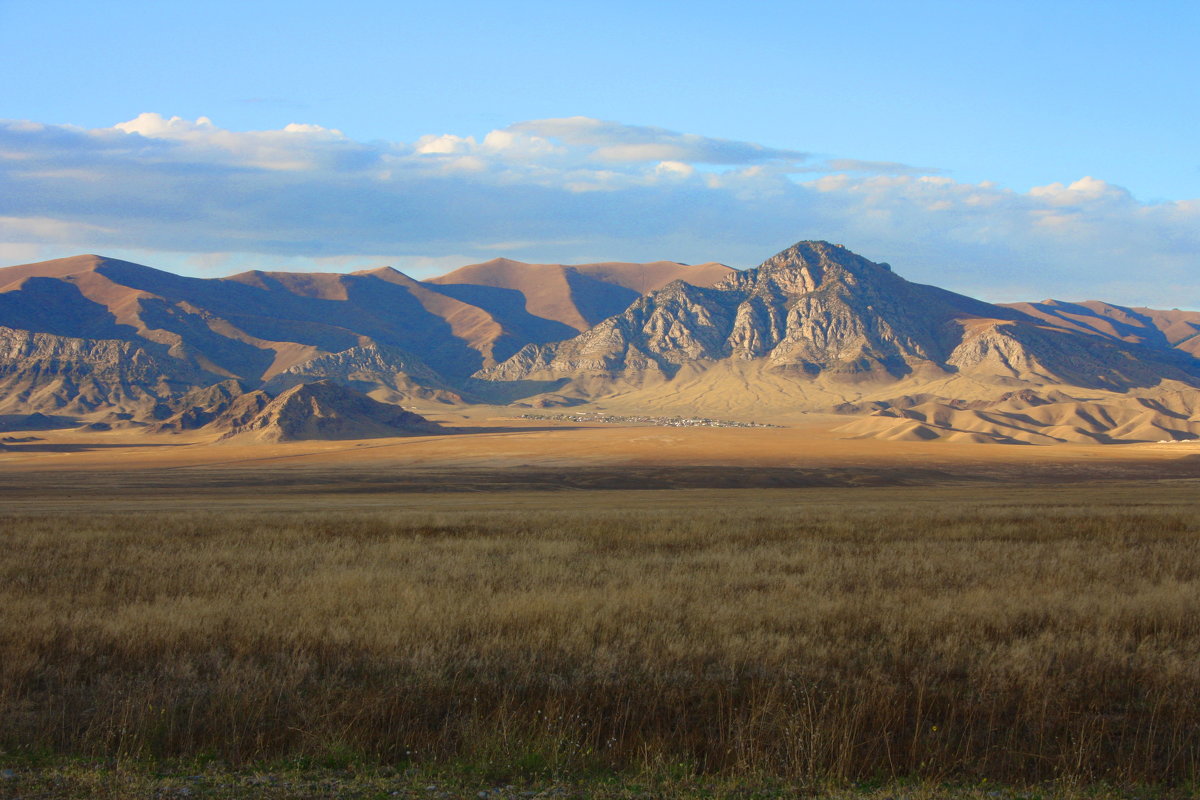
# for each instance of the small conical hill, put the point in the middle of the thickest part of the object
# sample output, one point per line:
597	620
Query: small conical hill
321	410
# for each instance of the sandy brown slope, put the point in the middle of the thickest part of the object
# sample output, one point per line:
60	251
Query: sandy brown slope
1146	326
821	313
814	328
260	326
322	410
251	325
575	297
1027	418
197	332
818	327
55	268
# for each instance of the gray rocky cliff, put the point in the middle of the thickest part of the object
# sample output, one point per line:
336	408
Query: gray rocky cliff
368	367
818	309
46	372
813	308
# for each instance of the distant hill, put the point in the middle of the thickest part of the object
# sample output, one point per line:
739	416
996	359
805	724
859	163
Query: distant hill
815	328
87	334
577	297
1144	326
1027	417
321	410
818	327
819	311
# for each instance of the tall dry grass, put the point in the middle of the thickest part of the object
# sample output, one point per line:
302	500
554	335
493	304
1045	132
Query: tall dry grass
761	632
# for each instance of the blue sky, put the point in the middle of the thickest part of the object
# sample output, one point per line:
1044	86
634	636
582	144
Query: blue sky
1008	149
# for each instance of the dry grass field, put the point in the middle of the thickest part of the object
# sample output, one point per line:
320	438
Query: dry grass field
947	631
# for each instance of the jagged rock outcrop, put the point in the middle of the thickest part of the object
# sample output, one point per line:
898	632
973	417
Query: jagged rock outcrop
680	324
378	330
321	410
816	327
241	412
200	407
42	372
814	308
372	369
819	310
1031	353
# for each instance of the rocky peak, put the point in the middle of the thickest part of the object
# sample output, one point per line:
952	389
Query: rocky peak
814	308
807	267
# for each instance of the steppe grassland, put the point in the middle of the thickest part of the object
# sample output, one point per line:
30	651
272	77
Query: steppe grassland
806	634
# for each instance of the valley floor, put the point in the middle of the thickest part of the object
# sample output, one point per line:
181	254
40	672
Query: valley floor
567	609
499	448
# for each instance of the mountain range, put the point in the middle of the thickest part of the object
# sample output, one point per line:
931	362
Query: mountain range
815	328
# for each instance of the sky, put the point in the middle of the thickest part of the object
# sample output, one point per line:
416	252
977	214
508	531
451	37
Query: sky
1010	150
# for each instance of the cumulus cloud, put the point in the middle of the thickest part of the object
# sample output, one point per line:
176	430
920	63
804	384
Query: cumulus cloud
572	189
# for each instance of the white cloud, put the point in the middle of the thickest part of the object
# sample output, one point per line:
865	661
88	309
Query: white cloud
572	189
1085	191
675	169
443	145
157	126
516	144
296	147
